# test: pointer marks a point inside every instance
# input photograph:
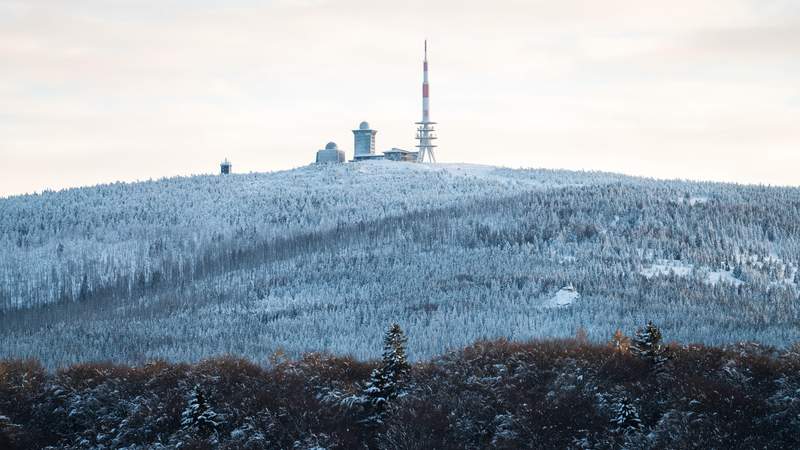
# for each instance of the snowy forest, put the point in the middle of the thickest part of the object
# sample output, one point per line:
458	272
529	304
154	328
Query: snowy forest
322	258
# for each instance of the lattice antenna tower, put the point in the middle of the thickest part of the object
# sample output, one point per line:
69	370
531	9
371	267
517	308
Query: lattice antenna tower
426	133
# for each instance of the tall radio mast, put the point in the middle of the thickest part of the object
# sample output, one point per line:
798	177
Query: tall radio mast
425	129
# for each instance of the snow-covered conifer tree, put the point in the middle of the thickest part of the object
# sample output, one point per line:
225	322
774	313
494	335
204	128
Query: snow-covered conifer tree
375	396
386	381
738	271
647	345
395	361
625	417
198	414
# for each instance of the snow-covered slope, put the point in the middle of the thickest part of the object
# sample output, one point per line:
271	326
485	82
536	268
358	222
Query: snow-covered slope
103	233
323	257
564	297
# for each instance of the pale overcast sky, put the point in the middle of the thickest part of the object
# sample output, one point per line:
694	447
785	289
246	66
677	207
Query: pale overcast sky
96	91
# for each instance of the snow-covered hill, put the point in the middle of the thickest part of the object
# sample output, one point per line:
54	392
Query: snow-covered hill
322	258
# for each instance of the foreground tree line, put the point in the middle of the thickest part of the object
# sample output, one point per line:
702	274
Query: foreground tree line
634	392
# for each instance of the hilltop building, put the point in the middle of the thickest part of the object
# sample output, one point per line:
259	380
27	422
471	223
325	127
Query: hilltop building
364	149
364	142
225	167
398	154
330	154
364	136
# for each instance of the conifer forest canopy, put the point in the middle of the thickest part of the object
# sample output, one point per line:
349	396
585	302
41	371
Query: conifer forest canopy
323	258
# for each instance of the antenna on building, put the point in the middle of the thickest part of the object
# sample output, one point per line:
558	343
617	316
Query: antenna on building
425	129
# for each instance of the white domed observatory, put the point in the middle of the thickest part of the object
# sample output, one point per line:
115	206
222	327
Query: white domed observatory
330	154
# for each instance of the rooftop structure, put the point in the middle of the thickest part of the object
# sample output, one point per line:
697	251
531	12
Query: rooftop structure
399	154
330	154
364	142
225	167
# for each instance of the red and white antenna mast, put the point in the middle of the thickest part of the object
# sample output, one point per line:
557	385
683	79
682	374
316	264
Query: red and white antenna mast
425	130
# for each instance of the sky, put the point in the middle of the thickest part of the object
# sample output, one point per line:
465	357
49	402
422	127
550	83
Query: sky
96	91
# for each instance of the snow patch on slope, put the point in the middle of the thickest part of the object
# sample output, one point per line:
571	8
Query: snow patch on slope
564	297
667	267
725	276
682	269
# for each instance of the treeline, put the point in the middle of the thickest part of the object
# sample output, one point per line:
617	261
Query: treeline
634	392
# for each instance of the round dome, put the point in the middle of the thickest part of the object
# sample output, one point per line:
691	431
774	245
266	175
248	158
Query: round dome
331	146
364	125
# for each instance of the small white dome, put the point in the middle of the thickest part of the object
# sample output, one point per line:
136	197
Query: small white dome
364	125
331	146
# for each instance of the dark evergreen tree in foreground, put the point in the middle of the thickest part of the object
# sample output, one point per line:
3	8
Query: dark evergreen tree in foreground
8	430
386	381
395	362
198	415
625	416
647	345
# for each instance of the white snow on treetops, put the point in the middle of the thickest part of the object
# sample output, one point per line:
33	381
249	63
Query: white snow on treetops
323	258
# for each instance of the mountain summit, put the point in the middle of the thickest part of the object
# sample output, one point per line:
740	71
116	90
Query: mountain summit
324	257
